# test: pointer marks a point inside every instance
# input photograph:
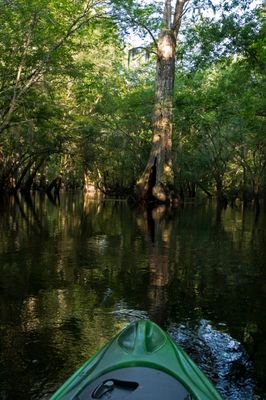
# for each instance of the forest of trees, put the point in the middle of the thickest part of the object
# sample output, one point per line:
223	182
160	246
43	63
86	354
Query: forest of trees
81	108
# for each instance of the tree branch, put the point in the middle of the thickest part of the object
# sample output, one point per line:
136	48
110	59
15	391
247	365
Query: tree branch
180	11
18	90
141	24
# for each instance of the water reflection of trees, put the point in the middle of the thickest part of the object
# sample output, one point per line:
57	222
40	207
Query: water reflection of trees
59	262
49	302
157	225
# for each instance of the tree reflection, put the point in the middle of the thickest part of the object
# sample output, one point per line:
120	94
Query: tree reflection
71	276
157	226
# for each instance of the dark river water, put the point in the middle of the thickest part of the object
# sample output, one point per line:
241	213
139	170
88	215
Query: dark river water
74	272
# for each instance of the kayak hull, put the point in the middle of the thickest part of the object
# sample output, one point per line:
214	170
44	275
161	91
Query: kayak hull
141	362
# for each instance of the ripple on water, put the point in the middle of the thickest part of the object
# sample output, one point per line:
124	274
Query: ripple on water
222	358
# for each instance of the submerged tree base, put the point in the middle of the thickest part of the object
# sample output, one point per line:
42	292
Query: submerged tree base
157	181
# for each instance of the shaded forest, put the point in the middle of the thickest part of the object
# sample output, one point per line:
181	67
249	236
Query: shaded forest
77	99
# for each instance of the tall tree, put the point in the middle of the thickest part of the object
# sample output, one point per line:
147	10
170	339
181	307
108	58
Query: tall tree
157	180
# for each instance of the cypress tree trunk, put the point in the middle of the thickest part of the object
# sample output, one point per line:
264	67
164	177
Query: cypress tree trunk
157	180
26	187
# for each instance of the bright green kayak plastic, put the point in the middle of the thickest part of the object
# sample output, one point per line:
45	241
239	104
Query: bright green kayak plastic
141	362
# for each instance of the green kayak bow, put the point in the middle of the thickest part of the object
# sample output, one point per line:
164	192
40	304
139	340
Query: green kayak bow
142	362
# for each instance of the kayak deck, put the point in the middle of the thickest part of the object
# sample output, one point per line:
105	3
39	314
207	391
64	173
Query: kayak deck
141	383
141	362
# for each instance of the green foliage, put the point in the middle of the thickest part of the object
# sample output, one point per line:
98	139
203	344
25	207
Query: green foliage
70	105
220	104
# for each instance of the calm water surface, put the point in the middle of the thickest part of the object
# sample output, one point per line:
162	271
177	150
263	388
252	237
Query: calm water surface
74	272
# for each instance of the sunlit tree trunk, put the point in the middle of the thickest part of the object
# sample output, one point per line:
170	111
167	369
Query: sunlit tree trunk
157	180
